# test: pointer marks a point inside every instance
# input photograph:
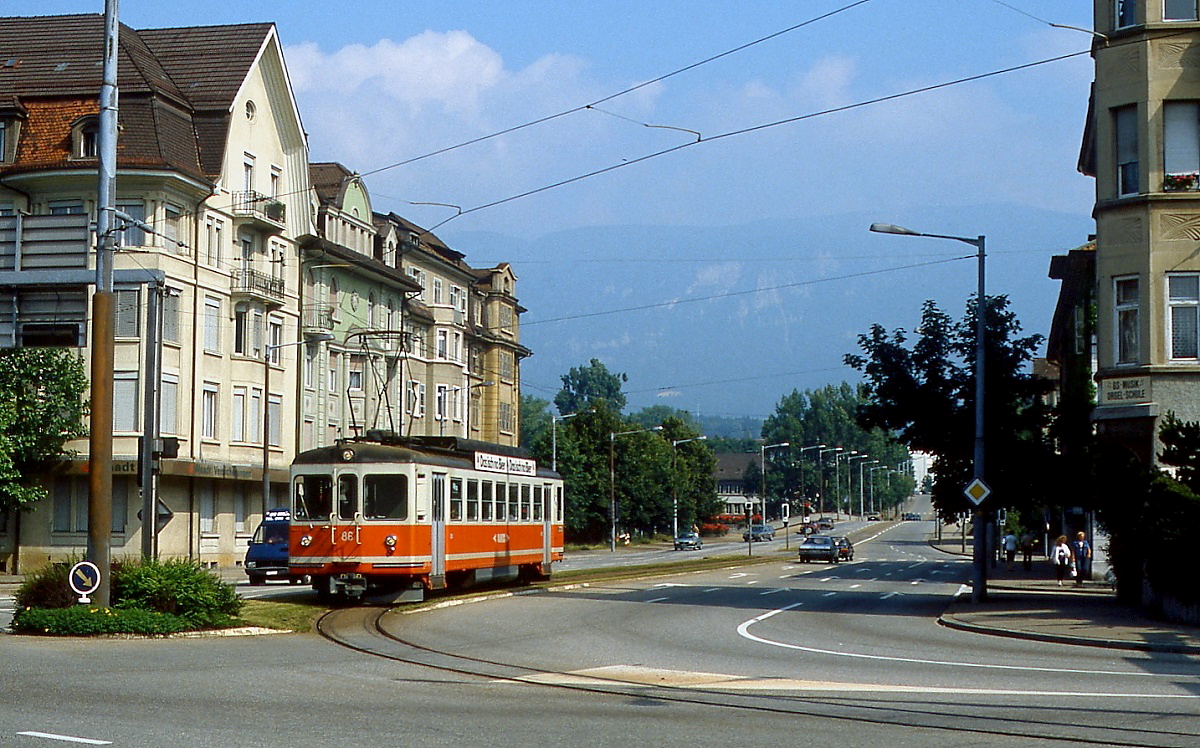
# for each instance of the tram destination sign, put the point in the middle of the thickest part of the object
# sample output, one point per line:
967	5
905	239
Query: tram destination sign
503	464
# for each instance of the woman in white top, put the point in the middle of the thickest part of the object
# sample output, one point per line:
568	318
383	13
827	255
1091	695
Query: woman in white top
1062	558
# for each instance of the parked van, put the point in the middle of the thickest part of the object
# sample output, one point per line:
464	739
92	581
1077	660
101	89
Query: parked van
267	554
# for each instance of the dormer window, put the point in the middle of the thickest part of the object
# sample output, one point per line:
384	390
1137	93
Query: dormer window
10	130
85	138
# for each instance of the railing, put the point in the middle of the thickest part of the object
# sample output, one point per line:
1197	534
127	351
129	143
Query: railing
258	205
260	284
318	316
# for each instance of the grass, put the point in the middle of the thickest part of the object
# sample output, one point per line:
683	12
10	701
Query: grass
282	615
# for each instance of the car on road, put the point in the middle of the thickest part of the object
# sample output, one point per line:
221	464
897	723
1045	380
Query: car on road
873	518
688	541
759	532
818	548
845	548
912	517
824	525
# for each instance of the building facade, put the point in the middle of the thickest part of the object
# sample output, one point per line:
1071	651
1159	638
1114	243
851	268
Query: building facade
289	314
1142	144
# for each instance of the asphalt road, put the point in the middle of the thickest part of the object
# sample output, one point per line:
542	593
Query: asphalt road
753	654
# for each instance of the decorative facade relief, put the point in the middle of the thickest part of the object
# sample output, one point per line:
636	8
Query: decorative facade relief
1179	226
1178	54
1123	230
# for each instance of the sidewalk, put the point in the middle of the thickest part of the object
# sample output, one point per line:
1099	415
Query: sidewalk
1031	605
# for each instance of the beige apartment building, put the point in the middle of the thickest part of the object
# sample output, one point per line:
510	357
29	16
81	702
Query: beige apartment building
1142	144
290	314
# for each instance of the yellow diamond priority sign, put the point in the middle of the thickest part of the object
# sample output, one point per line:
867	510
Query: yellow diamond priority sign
977	491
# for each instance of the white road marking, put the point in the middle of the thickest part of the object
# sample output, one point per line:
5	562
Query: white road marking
855	586
67	738
886	595
830	594
658	599
752	581
743	630
739	575
916	582
712	589
669	584
772	592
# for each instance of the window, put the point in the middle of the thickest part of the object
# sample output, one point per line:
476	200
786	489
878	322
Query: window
456	499
65	207
443	344
127	311
1183	297
472	501
385	496
87	138
239	508
256	333
437	290
355	382
1128	326
507	364
131	235
172	222
485	506
239	330
416	399
248	172
168	393
440	405
1179	10
1126	136
208	410
215	241
275	336
125	401
456	347
71	505
275	420
505	416
238	415
1125	12
1181	145
456	403
276	180
310	367
208	506
254	417
333	371
170	315
212	324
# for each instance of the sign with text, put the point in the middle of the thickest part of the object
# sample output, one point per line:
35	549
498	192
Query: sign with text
1125	391
503	464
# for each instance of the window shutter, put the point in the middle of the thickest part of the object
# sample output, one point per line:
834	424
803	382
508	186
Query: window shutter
1181	137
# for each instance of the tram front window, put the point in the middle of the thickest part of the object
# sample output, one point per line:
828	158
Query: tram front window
385	496
347	496
314	497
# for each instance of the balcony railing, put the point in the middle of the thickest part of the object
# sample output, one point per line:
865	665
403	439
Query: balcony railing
260	206
318	316
258	284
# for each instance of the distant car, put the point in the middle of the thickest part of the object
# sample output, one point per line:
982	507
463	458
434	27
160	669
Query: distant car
819	547
912	517
688	541
824	525
873	518
759	532
845	548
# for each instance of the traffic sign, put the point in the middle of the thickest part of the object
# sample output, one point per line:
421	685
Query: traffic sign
976	491
84	579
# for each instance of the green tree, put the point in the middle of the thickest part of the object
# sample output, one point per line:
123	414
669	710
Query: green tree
535	419
41	409
583	386
654	415
924	393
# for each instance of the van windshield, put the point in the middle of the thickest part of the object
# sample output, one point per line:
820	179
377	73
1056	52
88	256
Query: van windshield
271	533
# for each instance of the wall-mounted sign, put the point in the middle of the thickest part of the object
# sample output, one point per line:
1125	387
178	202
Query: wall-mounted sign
503	464
1125	391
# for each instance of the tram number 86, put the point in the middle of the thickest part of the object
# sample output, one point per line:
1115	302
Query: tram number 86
347	536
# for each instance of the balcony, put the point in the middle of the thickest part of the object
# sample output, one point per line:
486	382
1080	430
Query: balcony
318	317
258	286
1181	182
266	213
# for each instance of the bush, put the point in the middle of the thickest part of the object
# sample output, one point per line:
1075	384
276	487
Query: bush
148	597
714	529
84	620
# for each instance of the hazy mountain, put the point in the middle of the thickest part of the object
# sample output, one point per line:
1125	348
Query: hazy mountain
780	301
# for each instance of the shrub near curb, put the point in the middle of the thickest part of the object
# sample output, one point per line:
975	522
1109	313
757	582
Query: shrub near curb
149	598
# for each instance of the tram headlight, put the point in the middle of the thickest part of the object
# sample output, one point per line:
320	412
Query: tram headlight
306	541
390	541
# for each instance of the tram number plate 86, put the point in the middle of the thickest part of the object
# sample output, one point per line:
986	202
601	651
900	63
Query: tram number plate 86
346	536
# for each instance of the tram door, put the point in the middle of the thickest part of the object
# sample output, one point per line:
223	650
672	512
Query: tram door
438	536
546	495
347	520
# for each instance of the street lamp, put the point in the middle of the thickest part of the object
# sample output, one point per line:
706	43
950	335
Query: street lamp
612	482
675	481
871	471
850	481
801	463
268	349
821	479
979	552
837	478
763	475
554	438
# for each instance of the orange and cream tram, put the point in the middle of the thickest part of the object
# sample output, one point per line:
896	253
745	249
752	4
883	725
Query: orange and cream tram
399	516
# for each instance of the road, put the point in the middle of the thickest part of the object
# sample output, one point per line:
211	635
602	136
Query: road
755	654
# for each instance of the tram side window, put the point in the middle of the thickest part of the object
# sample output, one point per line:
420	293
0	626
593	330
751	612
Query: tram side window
514	502
313	497
487	501
501	497
456	500
472	501
537	503
558	504
525	503
385	496
347	496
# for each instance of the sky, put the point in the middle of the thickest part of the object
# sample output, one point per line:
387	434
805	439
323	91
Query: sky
765	116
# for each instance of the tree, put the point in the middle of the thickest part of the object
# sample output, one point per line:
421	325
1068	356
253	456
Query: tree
583	386
41	409
535	419
925	395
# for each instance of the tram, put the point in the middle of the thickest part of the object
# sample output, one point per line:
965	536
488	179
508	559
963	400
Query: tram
399	516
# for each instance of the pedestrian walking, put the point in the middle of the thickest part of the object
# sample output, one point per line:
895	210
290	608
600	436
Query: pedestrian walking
1061	556
1027	551
1010	549
1082	550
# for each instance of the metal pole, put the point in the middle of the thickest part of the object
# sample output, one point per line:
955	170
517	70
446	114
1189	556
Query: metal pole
100	444
612	493
150	419
266	429
979	586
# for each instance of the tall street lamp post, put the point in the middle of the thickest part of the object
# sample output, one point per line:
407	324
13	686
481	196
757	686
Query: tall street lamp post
612	482
802	451
762	450
872	475
268	350
821	477
837	477
675	481
554	438
850	482
979	551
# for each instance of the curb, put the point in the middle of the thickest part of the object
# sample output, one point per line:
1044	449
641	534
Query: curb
1083	641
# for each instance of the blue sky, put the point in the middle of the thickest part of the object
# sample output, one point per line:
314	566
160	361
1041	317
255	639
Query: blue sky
380	82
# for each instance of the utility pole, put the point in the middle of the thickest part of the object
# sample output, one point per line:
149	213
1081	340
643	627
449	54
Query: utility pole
100	443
